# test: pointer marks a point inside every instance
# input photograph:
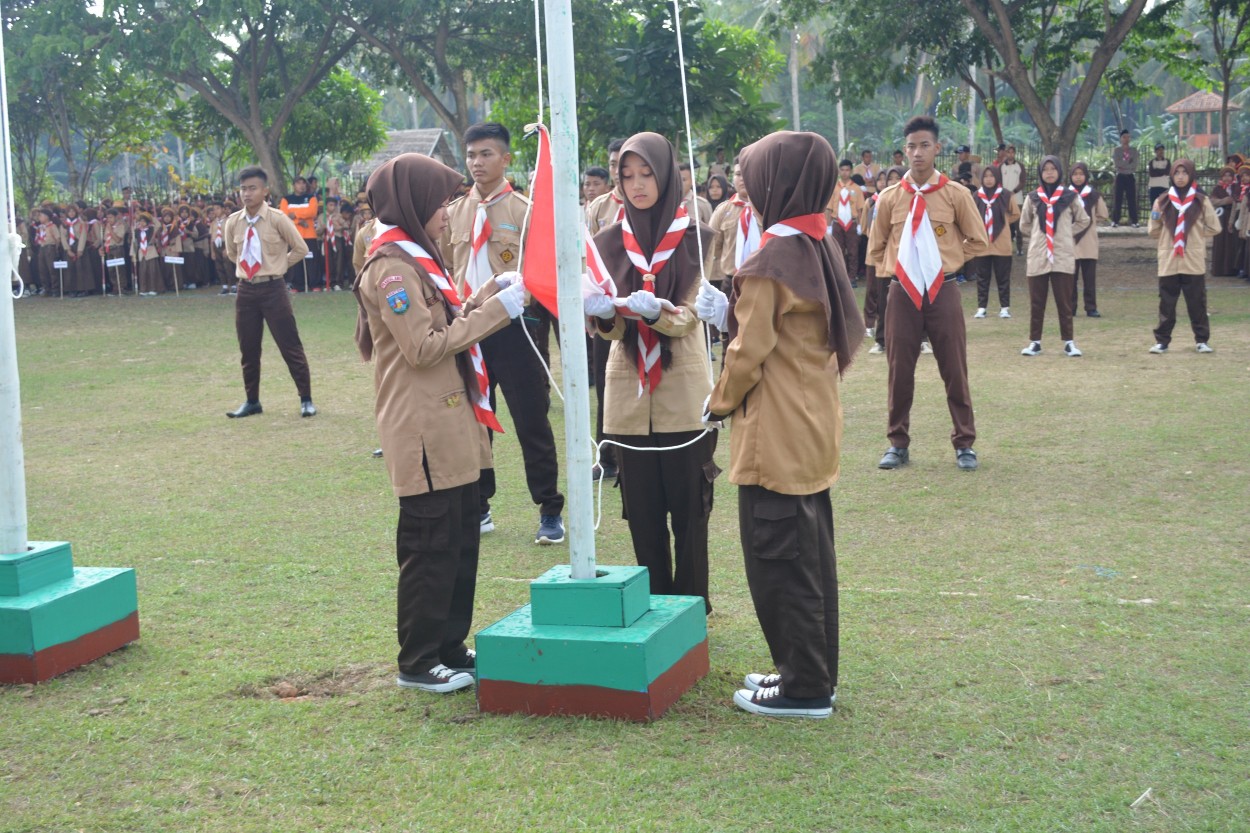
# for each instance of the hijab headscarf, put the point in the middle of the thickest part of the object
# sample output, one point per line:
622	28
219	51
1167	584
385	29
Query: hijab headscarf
405	192
1194	211
790	175
998	206
681	272
1090	202
726	190
1065	199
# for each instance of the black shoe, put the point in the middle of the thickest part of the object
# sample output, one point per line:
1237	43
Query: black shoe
771	702
602	470
440	679
307	408
245	410
966	459
1093	314
377	453
465	663
894	458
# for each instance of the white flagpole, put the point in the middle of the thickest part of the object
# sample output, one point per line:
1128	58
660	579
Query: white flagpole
562	90
12	464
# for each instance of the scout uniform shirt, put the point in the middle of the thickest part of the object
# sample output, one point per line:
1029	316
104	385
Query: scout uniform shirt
957	225
704	208
603	211
280	243
869	173
507	223
723	250
855	198
361	242
1194	260
1040	260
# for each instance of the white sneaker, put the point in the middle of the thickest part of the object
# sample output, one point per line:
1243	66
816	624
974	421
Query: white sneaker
870	332
1203	347
980	312
1159	348
1033	349
487	524
771	702
1071	349
1005	312
754	682
876	349
925	348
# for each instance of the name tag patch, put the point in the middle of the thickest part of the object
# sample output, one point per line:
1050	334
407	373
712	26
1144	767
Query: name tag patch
397	300
508	226
390	279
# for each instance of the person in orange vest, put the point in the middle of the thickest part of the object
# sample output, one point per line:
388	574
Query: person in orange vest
302	207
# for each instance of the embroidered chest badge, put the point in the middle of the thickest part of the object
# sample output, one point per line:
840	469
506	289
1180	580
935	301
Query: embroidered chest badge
397	300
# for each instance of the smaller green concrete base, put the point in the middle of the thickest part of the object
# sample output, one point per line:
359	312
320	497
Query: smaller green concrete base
616	598
631	673
63	616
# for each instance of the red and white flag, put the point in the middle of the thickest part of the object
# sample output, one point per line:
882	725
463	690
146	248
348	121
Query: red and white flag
539	267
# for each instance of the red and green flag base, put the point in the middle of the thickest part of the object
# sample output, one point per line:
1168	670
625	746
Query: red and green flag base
601	647
55	617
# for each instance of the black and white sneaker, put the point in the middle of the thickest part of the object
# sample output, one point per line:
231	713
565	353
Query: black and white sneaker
771	702
440	680
486	523
754	682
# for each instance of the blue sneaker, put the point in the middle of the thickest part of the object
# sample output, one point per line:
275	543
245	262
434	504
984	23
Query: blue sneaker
550	530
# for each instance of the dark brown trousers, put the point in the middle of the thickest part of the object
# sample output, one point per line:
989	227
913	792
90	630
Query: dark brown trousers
657	485
1086	271
883	297
943	322
119	276
256	305
1039	287
1194	287
847	242
1000	265
871	298
436	545
150	276
792	571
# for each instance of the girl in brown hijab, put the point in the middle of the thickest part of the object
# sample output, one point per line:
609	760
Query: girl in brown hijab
794	329
658	372
998	206
1183	220
1087	240
1225	253
1052	216
431	409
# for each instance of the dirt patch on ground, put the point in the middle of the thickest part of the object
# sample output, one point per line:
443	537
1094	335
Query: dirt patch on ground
320	685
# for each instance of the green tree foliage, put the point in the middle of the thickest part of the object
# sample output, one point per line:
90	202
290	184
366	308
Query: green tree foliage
253	61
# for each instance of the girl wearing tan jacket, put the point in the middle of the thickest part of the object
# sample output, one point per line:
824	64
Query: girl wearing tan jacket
658	370
1183	220
1052	217
1087	240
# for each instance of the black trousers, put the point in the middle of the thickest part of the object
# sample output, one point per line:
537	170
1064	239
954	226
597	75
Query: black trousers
256	305
313	266
516	371
1000	265
1087	269
1194	288
658	485
436	546
1125	188
792	571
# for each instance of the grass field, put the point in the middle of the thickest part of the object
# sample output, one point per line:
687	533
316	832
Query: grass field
1027	648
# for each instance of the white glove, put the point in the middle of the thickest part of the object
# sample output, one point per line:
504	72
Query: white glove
712	306
599	306
706	419
645	304
507	279
16	244
513	299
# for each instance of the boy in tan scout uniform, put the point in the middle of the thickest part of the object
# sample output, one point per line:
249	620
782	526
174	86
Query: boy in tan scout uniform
145	253
609	208
496	214
116	228
842	216
921	301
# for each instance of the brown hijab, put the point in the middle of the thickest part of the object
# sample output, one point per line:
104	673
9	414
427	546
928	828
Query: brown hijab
1090	203
998	208
1195	208
681	272
1065	199
790	175
405	192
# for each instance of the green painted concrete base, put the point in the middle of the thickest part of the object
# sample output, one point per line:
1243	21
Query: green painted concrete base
73	614
658	657
617	597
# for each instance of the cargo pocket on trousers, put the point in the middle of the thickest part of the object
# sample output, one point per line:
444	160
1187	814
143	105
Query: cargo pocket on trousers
775	533
423	521
711	471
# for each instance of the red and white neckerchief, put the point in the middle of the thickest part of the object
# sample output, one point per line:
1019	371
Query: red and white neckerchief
71	232
988	201
479	269
1084	193
41	234
93	228
813	225
250	257
219	236
1049	202
1181	206
649	369
747	238
393	234
845	218
143	243
919	266
620	207
331	237
165	232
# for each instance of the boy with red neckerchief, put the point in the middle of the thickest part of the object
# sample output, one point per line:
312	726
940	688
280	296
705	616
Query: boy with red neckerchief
924	231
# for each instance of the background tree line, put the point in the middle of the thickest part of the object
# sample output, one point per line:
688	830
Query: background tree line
293	84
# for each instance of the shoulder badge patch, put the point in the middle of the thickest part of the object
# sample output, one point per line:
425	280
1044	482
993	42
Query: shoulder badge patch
397	300
390	279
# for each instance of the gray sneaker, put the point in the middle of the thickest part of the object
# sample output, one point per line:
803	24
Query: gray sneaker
550	530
